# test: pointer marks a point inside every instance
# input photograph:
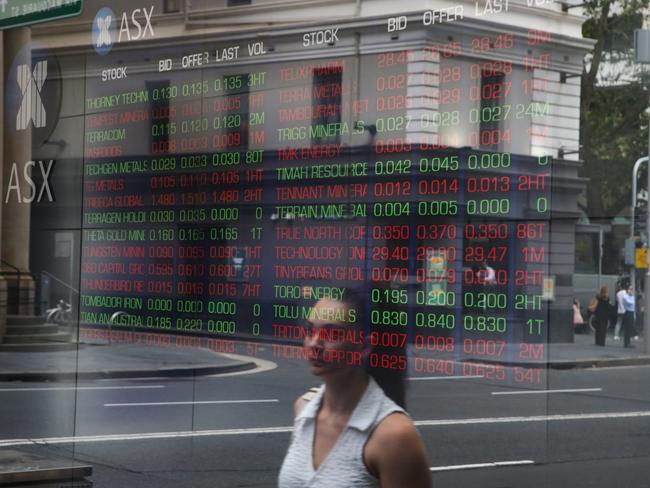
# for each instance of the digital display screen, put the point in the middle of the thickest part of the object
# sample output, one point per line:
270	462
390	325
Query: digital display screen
234	231
226	188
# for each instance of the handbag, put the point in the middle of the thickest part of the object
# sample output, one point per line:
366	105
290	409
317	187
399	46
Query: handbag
593	305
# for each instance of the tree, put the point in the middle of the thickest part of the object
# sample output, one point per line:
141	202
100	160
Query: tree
613	104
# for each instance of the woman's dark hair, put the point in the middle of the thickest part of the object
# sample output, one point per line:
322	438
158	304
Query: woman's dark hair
390	380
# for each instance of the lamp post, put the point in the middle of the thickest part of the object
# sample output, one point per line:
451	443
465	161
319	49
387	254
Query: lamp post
642	55
635	177
646	312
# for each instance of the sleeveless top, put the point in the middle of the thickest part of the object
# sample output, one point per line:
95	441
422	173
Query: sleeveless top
343	467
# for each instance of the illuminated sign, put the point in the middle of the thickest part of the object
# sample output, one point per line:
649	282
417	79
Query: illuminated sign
135	26
221	198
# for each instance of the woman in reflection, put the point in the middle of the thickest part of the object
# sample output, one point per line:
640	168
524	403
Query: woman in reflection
352	432
602	314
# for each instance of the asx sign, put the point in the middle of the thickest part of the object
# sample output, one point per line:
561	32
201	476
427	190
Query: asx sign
132	27
32	92
31	105
34	194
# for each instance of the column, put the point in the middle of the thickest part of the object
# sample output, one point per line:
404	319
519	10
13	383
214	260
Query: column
16	213
3	283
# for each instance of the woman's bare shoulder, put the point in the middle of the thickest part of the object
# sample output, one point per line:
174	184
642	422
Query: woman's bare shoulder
395	428
302	401
396	454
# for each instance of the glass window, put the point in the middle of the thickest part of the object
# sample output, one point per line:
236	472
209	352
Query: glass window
210	210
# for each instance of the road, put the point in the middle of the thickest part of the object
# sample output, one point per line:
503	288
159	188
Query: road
579	428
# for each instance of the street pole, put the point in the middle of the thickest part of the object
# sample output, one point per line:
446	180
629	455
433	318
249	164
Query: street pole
600	255
642	56
646	291
635	177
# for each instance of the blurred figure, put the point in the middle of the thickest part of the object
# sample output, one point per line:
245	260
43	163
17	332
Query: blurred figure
579	324
639	312
620	311
602	313
490	274
628	318
352	432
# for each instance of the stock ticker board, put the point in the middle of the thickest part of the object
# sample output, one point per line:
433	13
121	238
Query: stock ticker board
228	186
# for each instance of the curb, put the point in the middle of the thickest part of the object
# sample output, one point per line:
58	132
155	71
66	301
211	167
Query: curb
569	364
165	372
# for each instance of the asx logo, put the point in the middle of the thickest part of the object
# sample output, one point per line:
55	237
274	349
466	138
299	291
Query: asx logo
31	105
32	93
34	194
132	27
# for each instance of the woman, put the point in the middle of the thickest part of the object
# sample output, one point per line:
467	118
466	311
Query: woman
578	322
350	434
602	314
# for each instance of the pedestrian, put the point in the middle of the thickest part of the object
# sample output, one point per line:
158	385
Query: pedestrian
578	322
353	431
602	311
639	312
490	274
628	317
620	311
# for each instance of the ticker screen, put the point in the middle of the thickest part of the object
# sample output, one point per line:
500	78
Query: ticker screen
212	207
228	185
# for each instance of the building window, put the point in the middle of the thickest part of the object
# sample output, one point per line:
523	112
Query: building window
237	99
493	88
171	6
326	105
237	3
586	253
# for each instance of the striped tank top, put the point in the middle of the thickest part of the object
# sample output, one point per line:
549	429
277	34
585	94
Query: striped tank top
343	467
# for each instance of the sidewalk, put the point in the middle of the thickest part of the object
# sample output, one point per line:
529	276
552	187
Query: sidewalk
156	355
582	353
118	360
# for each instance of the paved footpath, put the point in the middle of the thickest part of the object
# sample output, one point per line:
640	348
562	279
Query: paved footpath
162	355
582	353
94	361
